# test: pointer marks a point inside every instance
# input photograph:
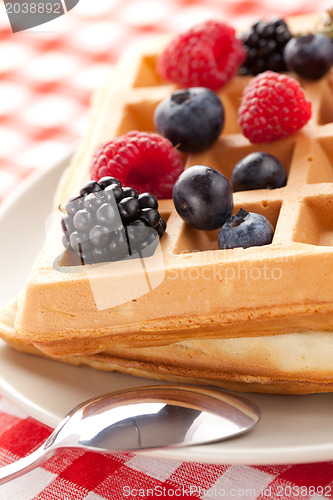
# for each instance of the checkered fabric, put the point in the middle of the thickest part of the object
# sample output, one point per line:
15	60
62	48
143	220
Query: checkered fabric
47	75
76	474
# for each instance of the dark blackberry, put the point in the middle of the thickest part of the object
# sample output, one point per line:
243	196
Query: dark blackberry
82	220
119	247
129	192
137	232
161	227
80	242
106	181
264	46
90	187
128	208
150	216
108	222
105	214
99	236
93	201
113	192
74	204
148	200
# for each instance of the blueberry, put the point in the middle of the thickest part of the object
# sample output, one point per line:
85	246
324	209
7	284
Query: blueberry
258	170
192	119
203	197
245	229
310	56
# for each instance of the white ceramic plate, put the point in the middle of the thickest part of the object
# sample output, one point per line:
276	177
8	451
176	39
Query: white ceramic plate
292	429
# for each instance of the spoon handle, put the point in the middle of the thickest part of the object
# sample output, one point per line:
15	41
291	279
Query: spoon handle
25	464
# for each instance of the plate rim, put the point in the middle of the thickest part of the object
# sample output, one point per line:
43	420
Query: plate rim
202	454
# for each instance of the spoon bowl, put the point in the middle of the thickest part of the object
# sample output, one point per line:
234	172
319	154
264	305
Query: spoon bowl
145	418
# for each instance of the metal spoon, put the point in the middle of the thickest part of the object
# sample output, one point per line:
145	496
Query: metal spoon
144	418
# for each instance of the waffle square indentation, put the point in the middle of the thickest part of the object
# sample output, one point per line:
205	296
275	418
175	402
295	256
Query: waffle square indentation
146	74
192	240
229	150
315	221
320	162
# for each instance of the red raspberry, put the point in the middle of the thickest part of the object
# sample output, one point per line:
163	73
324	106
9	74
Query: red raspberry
207	55
146	162
273	106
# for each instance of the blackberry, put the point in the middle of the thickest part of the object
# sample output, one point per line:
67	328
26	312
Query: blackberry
108	222
264	45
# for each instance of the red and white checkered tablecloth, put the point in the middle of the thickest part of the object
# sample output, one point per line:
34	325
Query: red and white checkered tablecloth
47	75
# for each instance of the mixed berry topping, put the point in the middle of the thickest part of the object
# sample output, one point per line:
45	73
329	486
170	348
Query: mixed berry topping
264	45
273	106
245	229
192	119
207	55
203	197
258	170
108	222
147	162
309	56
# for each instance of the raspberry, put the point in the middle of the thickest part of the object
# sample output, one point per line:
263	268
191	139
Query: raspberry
147	162
207	55
273	106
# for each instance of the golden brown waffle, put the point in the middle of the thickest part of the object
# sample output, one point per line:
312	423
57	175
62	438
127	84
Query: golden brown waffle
298	363
194	291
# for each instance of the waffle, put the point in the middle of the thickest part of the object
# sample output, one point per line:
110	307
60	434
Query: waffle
299	363
180	312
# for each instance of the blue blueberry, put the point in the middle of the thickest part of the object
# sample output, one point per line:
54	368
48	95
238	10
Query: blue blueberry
245	229
203	197
310	56
192	119
258	170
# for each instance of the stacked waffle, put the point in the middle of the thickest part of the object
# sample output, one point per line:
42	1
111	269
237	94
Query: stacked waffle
255	319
